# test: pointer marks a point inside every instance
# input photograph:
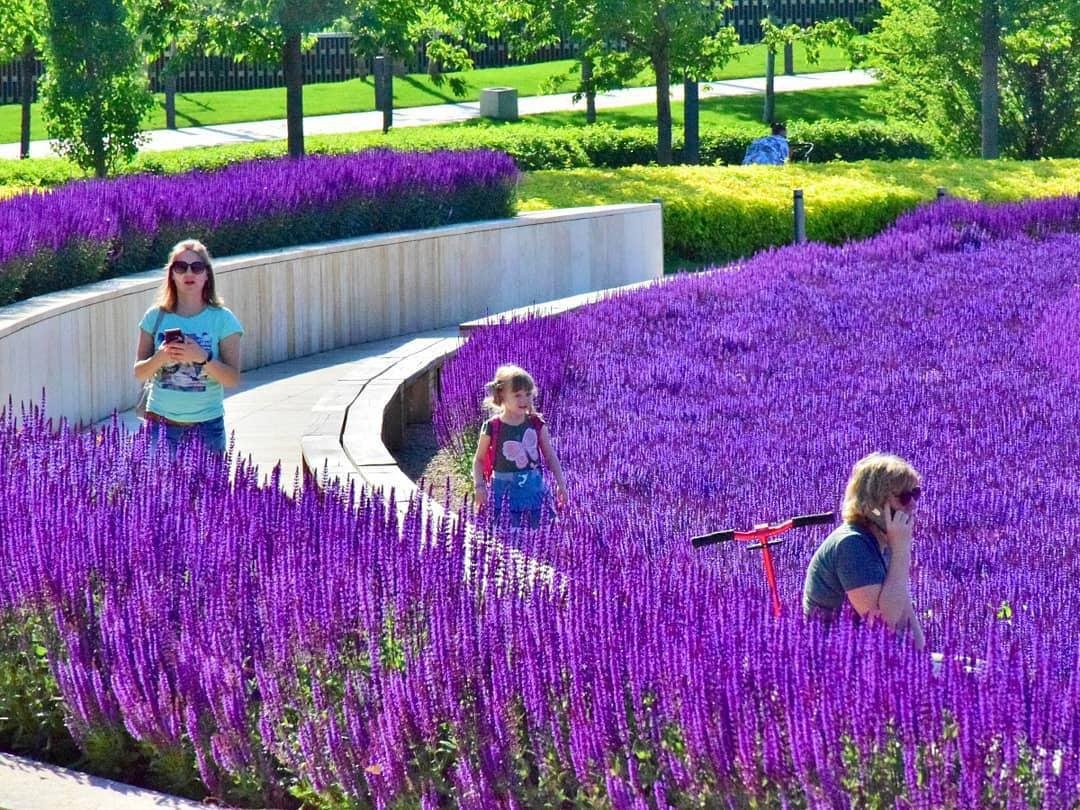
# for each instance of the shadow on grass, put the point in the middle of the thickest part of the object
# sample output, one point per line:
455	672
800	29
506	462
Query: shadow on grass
728	111
808	105
187	117
428	90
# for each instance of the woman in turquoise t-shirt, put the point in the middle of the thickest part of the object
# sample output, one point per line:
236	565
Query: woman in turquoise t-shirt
189	345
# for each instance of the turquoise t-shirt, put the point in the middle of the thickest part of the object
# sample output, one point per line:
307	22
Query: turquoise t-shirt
184	392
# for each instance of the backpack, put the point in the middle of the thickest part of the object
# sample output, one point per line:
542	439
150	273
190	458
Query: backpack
496	424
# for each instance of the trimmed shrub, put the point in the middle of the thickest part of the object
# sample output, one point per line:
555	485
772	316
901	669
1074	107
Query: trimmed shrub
719	214
860	140
534	147
94	229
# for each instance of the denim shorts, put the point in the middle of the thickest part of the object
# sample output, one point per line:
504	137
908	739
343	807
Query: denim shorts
523	494
210	433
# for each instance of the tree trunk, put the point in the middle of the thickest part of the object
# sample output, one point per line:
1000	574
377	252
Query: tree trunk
691	130
26	95
789	59
294	94
663	108
590	90
101	163
991	48
769	113
170	89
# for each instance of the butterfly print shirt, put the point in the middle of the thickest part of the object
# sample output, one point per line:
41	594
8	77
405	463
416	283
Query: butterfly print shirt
518	448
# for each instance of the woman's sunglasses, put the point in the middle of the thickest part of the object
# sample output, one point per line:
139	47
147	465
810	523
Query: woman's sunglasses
909	495
180	267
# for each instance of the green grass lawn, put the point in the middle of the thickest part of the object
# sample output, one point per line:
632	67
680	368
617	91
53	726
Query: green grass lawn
414	90
728	111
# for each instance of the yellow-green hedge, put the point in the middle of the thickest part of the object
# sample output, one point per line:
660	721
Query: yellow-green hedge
720	213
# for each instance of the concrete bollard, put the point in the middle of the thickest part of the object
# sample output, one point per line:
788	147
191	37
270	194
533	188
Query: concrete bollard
384	91
500	103
799	206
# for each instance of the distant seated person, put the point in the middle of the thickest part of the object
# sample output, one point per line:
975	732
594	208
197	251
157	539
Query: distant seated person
867	560
772	150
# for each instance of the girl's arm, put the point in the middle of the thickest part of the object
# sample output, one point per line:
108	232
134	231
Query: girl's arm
479	485
552	460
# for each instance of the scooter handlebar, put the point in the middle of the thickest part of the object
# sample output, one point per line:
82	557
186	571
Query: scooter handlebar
813	520
795	522
715	537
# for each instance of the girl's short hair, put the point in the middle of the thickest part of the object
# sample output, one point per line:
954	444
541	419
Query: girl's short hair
873	479
508	378
167	294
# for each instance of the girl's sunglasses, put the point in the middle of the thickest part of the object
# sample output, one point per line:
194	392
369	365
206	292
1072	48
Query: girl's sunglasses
180	267
909	495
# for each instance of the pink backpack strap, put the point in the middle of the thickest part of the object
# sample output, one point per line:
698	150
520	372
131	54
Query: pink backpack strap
493	434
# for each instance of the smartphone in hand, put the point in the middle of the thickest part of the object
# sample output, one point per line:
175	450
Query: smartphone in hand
878	516
174	335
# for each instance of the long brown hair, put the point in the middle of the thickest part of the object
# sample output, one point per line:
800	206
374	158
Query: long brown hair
167	294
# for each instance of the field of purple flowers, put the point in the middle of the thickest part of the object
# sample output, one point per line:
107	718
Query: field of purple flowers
729	398
214	637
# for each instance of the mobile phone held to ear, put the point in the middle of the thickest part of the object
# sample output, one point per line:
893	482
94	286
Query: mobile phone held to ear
878	517
174	336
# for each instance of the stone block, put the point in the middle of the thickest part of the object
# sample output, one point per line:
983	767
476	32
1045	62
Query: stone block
499	103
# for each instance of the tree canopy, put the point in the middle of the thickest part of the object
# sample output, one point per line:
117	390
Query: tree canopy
928	54
22	36
94	92
677	38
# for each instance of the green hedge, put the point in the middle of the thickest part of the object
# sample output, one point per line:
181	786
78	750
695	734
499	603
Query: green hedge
859	140
718	214
534	147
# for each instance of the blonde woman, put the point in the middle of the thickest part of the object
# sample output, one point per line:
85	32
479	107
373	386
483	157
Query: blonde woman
867	560
189	346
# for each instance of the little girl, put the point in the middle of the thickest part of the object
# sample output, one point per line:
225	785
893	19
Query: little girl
509	449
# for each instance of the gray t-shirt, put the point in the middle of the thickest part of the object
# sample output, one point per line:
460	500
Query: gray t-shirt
518	446
848	558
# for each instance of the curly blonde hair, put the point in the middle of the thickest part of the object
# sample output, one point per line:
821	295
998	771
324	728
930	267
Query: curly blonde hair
508	378
873	479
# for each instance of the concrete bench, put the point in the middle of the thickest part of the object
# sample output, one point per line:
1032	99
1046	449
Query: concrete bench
363	416
555	307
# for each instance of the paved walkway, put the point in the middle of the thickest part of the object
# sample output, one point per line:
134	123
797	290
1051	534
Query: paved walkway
29	785
165	139
273	407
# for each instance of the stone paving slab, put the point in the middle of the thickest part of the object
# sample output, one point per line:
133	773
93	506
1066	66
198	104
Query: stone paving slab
29	785
273	406
249	132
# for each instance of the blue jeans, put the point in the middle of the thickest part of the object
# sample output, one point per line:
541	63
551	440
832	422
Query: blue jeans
210	433
522	494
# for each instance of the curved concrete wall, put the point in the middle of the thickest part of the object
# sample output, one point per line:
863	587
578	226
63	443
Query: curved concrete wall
78	345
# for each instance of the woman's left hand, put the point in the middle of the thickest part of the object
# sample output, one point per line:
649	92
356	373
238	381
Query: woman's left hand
561	497
186	351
